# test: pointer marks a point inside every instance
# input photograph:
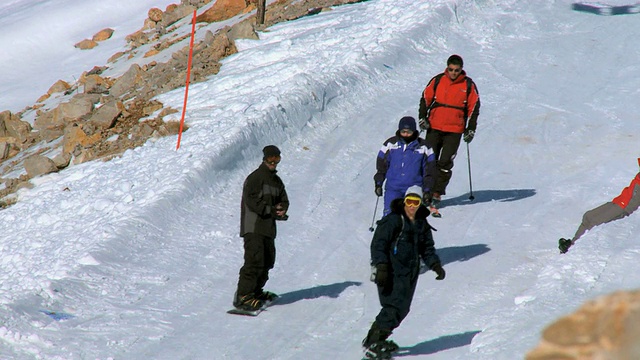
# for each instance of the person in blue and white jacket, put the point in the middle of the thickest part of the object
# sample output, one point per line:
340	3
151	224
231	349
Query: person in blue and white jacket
403	161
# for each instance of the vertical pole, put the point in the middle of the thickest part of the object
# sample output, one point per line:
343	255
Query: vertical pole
471	197
186	89
261	9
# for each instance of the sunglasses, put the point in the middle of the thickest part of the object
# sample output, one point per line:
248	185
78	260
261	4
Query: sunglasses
454	70
273	160
412	201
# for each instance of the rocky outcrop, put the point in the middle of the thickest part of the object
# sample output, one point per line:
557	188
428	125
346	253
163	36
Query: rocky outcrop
99	117
604	328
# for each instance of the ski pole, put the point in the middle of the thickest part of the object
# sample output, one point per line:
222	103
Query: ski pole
471	197
374	213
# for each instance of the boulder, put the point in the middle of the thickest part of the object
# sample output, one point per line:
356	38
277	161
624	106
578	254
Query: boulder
222	10
86	44
605	328
155	15
37	165
102	35
105	117
59	86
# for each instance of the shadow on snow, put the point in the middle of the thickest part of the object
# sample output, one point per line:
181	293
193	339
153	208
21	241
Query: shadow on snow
440	344
461	253
489	195
458	253
332	291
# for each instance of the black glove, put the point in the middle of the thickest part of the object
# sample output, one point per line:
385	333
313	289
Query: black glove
424	123
382	274
378	191
426	199
276	209
468	135
439	270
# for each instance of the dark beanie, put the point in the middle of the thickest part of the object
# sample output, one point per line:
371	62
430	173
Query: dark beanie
407	122
270	150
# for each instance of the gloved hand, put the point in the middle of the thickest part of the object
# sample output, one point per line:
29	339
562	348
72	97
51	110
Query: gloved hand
426	199
439	270
424	123
468	135
280	213
382	274
378	191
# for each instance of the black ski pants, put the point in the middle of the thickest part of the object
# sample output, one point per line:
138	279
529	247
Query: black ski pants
259	258
396	303
445	147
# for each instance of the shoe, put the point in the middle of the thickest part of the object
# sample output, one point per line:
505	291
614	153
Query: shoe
564	245
248	302
267	296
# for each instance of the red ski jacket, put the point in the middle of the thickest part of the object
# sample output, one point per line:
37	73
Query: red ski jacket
629	192
451	98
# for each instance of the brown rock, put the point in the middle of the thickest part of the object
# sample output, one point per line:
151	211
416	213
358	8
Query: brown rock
151	53
74	136
105	117
59	86
86	44
102	35
37	165
43	98
155	14
222	10
605	328
115	57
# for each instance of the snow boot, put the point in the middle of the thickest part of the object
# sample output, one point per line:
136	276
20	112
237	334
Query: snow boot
376	344
248	302
434	204
564	245
267	296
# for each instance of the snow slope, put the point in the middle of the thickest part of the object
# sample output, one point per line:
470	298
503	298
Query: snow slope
137	258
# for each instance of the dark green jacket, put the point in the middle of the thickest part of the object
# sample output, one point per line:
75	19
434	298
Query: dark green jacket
401	244
261	192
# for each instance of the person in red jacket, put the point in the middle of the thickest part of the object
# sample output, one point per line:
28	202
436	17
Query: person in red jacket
449	108
621	206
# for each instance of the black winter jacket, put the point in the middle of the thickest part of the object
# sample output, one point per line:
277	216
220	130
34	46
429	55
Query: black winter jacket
401	244
261	192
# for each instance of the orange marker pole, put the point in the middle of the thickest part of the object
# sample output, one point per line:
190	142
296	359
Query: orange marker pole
186	89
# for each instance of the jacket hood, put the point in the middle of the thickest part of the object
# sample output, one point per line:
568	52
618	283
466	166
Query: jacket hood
408	140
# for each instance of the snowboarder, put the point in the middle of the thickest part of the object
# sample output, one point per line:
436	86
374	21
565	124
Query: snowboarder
404	160
449	108
401	240
264	200
621	206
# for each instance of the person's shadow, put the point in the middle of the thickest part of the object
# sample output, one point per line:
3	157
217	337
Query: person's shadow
489	195
332	291
457	253
436	345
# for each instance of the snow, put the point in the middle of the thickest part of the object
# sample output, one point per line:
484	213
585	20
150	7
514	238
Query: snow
138	257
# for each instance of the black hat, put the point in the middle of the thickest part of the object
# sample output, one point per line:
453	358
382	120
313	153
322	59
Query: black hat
407	122
270	150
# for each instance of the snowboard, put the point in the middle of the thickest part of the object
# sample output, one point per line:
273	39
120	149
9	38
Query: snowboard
236	311
605	9
385	352
377	356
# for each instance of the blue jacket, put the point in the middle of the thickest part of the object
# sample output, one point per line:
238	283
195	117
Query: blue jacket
404	165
